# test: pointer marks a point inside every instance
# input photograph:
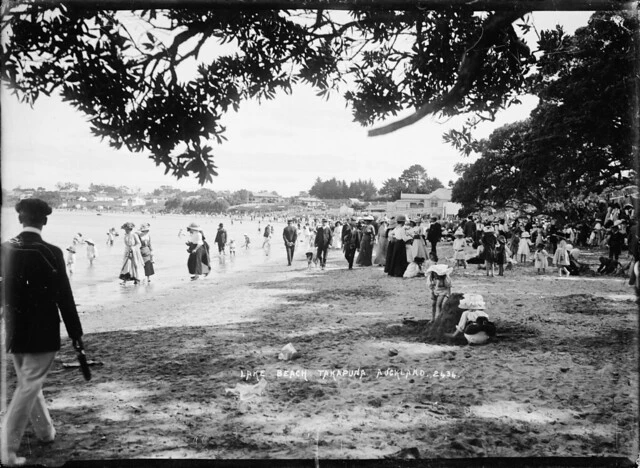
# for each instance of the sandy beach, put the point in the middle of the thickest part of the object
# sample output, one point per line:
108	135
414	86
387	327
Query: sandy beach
192	371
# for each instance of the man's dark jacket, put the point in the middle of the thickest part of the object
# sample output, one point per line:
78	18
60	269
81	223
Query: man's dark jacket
290	234
35	287
323	237
435	232
221	237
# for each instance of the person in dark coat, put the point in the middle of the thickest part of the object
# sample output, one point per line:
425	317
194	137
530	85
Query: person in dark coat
221	239
396	262
323	241
469	228
616	243
434	234
351	239
35	292
489	248
290	236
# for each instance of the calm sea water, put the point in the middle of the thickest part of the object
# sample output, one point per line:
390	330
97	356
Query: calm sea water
99	284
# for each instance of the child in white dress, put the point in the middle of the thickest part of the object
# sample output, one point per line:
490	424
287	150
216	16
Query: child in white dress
540	258
232	247
71	258
524	247
92	251
459	244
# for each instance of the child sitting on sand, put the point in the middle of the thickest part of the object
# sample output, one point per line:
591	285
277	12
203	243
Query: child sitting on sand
474	322
440	286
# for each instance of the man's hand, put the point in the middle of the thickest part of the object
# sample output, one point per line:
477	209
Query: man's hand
77	344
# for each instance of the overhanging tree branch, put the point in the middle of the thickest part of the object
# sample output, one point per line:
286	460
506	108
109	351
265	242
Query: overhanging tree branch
470	65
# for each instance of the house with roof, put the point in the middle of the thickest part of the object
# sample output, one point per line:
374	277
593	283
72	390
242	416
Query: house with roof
437	203
265	197
310	202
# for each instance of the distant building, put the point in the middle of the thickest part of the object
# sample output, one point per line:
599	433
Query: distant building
310	202
265	197
437	203
102	197
134	201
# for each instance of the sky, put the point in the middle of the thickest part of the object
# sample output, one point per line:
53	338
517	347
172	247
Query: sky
281	145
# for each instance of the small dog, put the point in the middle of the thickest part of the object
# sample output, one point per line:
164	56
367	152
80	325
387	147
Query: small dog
312	258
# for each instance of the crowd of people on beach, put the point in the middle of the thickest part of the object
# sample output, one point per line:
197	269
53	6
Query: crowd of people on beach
405	247
35	274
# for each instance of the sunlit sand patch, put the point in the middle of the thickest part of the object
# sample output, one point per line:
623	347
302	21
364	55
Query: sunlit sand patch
520	412
410	349
618	297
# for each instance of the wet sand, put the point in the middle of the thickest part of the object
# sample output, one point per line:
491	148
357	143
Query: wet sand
193	371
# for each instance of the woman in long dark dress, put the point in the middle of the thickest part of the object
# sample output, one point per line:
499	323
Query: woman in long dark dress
366	244
489	248
396	261
146	251
198	262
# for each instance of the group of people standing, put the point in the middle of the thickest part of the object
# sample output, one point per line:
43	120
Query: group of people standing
138	254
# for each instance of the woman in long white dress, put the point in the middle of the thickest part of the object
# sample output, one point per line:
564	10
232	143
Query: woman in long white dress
133	266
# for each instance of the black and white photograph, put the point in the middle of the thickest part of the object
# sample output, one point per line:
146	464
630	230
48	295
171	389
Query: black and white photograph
382	231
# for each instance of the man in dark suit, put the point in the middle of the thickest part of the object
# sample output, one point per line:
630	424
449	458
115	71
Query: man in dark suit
35	290
221	239
290	235
323	241
434	234
350	241
469	228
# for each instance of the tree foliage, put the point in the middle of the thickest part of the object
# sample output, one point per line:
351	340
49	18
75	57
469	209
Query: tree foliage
414	179
577	141
127	70
335	189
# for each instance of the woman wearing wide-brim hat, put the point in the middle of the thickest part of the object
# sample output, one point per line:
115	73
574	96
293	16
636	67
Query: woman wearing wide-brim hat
366	242
146	250
198	261
382	242
396	261
92	250
133	266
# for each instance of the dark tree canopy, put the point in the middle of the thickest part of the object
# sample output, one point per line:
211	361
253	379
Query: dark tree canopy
414	179
578	140
125	70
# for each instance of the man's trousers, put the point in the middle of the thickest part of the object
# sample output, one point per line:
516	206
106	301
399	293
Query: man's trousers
28	403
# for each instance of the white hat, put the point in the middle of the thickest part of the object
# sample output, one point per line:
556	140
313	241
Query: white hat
440	269
368	218
458	232
472	301
525	234
194	227
488	229
89	241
